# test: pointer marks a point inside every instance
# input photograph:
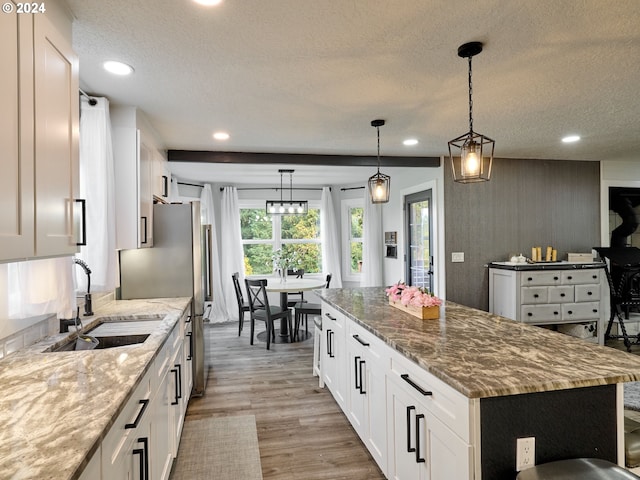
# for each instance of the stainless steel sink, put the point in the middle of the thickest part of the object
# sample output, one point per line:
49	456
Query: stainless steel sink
104	342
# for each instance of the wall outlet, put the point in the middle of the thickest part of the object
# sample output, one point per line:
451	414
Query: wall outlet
457	257
525	453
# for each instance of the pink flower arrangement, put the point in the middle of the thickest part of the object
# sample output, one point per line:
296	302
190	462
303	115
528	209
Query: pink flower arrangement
415	296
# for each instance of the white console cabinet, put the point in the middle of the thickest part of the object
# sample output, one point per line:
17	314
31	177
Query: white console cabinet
571	294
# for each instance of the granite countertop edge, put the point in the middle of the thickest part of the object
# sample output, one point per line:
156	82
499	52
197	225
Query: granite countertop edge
532	364
57	407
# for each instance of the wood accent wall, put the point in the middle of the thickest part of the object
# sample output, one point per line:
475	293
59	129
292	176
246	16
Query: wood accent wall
526	203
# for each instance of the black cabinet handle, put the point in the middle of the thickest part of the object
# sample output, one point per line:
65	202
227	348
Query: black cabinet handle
589	293
144	402
556	278
83	203
563	294
595	310
355	372
143	242
406	378
329	349
418	458
536	295
175	372
570	312
165	186
179	367
570	277
594	276
362	390
330	317
410	449
555	313
529	279
529	314
190	356
188	319
144	458
362	342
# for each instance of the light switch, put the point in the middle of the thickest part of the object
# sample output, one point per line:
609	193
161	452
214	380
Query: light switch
457	257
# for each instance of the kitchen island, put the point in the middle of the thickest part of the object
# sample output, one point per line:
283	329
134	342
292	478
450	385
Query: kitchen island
57	407
488	381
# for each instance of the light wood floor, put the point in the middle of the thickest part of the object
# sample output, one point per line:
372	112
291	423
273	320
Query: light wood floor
302	433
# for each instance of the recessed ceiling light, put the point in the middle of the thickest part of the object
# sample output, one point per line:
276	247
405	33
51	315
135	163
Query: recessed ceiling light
571	138
208	3
409	142
117	68
221	136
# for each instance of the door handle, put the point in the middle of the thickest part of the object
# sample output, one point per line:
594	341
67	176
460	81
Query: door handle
362	342
355	372
144	402
418	458
165	186
362	391
329	349
410	449
145	456
143	242
190	335
83	204
179	367
175	372
330	317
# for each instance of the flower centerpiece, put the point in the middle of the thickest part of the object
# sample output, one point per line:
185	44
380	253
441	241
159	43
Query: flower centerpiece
417	301
283	261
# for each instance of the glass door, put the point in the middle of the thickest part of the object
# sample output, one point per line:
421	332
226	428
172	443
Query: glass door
418	229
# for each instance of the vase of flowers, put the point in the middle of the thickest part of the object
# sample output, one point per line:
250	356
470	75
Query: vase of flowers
417	301
283	261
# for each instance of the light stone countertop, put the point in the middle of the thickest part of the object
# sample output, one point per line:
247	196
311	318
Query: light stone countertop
56	407
484	355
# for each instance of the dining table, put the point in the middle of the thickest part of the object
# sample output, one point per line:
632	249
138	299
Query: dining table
284	288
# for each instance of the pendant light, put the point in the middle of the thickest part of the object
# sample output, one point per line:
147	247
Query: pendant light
379	184
471	154
287	207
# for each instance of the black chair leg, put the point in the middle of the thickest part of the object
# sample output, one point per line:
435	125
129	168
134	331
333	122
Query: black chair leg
269	333
253	326
240	321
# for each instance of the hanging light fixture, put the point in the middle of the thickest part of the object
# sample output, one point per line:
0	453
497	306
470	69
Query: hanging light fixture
471	154
287	207
379	184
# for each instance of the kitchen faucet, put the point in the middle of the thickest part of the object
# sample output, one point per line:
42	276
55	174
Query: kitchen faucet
87	298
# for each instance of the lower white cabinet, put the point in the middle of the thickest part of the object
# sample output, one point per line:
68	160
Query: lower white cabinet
334	371
143	441
366	398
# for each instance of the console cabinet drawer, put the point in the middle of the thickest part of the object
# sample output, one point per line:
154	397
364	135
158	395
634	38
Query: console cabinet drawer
540	278
581	311
579	277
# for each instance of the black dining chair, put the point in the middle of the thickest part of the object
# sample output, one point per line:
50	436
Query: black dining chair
304	309
243	306
297	296
261	310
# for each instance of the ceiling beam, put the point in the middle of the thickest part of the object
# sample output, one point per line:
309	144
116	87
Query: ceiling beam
202	156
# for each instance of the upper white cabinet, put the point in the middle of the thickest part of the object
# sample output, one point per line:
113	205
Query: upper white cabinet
137	161
38	136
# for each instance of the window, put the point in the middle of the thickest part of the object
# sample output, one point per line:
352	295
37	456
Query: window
262	234
353	213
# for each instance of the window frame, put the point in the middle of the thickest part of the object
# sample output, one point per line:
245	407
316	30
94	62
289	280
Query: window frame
276	231
346	205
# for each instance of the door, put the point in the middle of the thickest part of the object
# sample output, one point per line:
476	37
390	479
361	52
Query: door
418	208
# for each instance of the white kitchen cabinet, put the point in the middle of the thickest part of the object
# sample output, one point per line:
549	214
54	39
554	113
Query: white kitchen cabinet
333	352
161	177
135	153
39	136
93	470
551	296
367	363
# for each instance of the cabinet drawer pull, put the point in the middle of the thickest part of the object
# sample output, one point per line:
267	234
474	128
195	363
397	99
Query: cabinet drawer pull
188	319
355	372
144	402
330	317
595	310
589	293
570	312
570	277
144	229
418	458
83	203
594	276
362	390
190	335
406	378
555	313
529	314
563	294
362	342
329	349
556	278
175	401
536	295
529	279
179	367
410	449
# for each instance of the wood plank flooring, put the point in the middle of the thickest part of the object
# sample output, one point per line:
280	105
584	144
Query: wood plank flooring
302	432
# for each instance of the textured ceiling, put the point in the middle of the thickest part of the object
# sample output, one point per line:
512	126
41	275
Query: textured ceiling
308	76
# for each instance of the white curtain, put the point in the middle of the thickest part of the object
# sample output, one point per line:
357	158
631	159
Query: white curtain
330	237
371	275
218	312
38	287
97	188
231	252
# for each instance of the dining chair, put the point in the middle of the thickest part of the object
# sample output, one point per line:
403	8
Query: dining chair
300	295
243	306
261	310
304	309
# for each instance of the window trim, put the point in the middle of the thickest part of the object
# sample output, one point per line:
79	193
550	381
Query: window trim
346	205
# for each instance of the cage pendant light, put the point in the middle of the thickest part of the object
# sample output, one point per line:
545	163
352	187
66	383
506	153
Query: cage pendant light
379	184
471	154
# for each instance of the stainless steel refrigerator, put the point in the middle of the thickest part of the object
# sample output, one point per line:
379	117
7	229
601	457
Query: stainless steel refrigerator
174	267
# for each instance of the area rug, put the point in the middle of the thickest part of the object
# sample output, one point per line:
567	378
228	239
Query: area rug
220	448
632	396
